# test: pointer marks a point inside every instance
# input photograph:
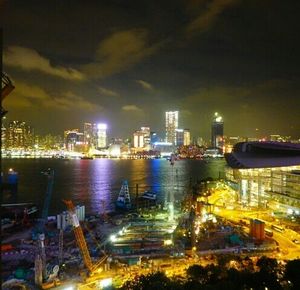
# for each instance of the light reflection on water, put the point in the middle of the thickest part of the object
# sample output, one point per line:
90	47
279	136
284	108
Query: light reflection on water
96	183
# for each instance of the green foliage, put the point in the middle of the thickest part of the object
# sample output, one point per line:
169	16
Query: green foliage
292	273
157	280
221	276
267	264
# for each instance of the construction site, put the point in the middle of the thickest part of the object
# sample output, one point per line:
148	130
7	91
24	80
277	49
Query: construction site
73	250
45	252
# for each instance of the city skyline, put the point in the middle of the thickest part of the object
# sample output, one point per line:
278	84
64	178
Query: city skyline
160	136
126	64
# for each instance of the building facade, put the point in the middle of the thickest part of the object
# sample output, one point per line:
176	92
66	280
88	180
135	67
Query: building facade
186	137
171	126
101	135
179	137
74	140
18	135
217	131
142	139
266	174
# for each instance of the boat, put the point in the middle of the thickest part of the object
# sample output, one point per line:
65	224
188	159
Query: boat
149	195
86	157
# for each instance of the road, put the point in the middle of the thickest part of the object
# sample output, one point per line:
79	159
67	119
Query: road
233	212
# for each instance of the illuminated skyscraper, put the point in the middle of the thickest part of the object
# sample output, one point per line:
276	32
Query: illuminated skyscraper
171	126
19	134
186	137
101	136
141	138
217	131
138	139
179	137
183	137
88	133
73	140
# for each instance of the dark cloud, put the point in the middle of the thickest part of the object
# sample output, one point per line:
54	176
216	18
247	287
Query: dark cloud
210	11
145	85
34	97
132	109
28	59
108	92
127	62
118	52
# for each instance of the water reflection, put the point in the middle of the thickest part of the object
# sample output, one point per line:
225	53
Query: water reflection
101	190
96	183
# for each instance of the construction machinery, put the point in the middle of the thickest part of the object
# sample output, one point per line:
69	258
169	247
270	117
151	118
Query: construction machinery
40	227
6	88
92	268
39	231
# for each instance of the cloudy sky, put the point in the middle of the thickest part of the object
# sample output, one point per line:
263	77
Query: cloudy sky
127	62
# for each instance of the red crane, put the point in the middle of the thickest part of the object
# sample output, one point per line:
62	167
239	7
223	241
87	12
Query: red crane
81	240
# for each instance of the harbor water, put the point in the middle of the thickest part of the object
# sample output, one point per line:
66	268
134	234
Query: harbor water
96	183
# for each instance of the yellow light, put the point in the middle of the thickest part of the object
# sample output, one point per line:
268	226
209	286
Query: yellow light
168	242
69	288
113	238
105	282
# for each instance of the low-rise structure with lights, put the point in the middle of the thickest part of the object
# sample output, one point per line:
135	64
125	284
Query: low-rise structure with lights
266	174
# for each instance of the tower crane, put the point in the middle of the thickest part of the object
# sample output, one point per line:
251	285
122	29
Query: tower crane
81	240
40	227
39	231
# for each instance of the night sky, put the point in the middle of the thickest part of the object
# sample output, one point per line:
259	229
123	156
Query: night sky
127	62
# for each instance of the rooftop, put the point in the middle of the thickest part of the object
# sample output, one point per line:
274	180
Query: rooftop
263	155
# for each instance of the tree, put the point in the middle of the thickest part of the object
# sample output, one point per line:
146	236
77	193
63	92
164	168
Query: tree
292	273
156	280
267	264
198	273
268	273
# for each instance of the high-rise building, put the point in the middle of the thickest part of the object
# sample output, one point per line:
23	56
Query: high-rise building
87	133
147	137
153	138
179	137
101	135
217	131
19	135
186	137
73	140
138	139
171	126
90	132
141	138
3	134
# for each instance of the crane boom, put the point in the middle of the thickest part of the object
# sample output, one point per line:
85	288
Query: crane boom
50	176
6	88
79	236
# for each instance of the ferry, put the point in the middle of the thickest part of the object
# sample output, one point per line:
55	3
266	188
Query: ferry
87	157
